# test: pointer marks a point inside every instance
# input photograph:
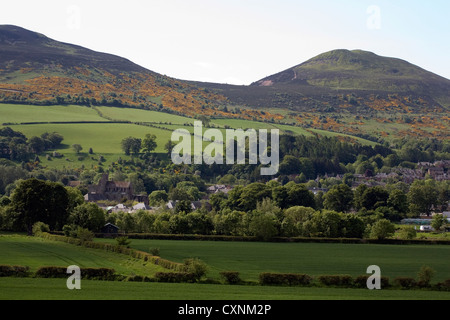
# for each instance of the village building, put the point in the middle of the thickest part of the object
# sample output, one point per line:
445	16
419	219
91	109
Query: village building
118	191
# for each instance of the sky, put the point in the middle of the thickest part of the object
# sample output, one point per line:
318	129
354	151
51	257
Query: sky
241	41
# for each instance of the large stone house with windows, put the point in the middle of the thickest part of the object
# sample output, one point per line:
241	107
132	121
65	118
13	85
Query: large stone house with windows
117	191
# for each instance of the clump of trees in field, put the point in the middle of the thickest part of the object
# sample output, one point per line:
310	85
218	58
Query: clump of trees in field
15	146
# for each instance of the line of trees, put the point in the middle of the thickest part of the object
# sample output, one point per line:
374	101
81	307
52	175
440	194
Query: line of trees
15	146
133	146
260	210
48	202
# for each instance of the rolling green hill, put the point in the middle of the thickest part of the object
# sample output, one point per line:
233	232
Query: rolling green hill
362	70
350	93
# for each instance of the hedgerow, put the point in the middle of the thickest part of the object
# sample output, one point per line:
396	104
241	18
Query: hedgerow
118	249
13	271
106	274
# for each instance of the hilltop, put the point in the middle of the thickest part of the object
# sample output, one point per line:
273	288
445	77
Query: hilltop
361	70
351	92
38	70
357	80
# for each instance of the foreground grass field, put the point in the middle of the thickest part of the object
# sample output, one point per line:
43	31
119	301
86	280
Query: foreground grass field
55	289
252	258
247	257
36	252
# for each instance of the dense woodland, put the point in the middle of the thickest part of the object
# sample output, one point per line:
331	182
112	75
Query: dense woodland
256	206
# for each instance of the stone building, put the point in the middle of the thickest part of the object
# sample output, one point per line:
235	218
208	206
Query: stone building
117	191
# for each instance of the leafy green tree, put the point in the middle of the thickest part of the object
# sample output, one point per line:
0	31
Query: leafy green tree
264	226
227	179
75	198
197	267
374	197
398	201
178	223
77	148
438	222
422	196
53	138
299	195
425	275
144	221
280	196
292	224
408	233
36	144
89	216
199	223
180	194
218	201
324	224
157	197
339	198
183	206
382	229
35	200
131	145
290	165
169	147
228	223
358	196
253	193
149	143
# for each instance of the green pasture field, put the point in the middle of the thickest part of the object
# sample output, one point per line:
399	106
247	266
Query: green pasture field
16	113
56	289
249	258
104	138
37	252
138	115
252	258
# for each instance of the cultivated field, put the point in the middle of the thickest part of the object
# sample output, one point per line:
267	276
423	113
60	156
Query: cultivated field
55	289
247	257
252	258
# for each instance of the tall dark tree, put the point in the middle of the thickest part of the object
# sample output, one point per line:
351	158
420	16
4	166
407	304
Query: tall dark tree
374	197
35	200
131	145
149	143
299	195
339	198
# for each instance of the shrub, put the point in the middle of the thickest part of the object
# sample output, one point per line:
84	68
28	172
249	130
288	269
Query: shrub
98	274
51	272
231	277
136	278
196	267
405	282
424	276
408	233
40	227
361	281
154	252
443	286
86	273
84	234
289	279
175	277
13	271
336	280
123	241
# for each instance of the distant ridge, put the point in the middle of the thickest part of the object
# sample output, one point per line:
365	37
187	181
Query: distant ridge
38	70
